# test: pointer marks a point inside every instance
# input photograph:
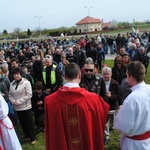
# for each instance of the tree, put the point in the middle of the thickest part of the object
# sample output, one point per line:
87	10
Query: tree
114	24
29	33
5	32
45	32
147	21
17	30
17	33
38	31
124	25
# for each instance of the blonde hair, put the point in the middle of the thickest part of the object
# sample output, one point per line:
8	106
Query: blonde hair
40	53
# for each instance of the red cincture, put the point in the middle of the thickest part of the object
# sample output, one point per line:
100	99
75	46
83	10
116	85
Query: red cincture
1	122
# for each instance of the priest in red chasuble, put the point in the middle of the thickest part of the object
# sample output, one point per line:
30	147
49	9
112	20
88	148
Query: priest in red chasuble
74	118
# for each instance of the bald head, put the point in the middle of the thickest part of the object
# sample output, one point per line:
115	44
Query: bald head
133	46
142	50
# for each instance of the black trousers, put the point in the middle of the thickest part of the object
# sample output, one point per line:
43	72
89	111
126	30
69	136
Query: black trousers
26	121
99	63
39	118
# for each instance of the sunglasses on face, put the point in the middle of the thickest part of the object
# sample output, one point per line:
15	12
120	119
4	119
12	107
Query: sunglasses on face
90	70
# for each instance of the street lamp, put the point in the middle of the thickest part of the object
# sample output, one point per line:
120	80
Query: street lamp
88	8
38	17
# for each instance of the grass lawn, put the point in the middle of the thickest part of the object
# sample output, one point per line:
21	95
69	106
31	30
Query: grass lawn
40	145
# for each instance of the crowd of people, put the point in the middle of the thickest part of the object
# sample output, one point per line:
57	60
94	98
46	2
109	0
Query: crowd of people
66	88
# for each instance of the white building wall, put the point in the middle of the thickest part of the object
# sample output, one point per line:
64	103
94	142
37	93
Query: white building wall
89	27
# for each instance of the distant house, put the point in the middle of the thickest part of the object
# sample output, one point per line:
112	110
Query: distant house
106	25
89	24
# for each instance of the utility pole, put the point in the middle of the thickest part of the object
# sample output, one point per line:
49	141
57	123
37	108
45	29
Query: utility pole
38	17
88	8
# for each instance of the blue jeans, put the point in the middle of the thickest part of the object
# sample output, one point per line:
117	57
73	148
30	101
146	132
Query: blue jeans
105	49
11	113
111	49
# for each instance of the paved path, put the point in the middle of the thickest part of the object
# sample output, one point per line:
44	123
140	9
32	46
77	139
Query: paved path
110	56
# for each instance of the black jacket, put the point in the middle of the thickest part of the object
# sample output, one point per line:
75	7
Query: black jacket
118	74
95	85
81	56
37	70
115	98
142	58
35	99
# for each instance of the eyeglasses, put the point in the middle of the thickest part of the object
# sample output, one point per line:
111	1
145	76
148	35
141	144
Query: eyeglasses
90	70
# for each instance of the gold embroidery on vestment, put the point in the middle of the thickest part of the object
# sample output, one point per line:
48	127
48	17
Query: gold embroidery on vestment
73	121
75	141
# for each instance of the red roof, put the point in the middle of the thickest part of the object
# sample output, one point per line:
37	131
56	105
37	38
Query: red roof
88	20
106	24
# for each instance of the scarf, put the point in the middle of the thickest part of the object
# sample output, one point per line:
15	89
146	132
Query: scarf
16	83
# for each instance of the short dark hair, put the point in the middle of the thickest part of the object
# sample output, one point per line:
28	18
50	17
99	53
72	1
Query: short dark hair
118	59
38	85
17	70
137	70
72	70
15	59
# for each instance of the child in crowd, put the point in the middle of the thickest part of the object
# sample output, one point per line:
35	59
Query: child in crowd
38	103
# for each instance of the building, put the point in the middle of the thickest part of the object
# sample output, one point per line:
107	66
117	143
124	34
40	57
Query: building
106	25
89	24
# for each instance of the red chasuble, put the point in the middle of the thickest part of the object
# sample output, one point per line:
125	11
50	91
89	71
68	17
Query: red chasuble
75	120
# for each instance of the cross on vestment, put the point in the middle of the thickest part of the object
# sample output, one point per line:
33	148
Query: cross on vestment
73	121
75	141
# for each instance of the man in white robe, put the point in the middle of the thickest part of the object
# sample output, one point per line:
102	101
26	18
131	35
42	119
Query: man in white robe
8	137
133	118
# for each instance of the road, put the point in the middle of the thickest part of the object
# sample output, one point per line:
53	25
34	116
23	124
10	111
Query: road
110	56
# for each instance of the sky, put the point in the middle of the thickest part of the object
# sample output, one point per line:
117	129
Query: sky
53	14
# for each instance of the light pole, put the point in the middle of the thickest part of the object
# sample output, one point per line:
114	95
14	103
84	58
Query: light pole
38	17
88	8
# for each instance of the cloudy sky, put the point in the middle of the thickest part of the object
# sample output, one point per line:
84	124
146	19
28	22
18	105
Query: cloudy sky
57	13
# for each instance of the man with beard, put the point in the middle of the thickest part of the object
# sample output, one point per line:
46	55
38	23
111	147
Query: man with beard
92	81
